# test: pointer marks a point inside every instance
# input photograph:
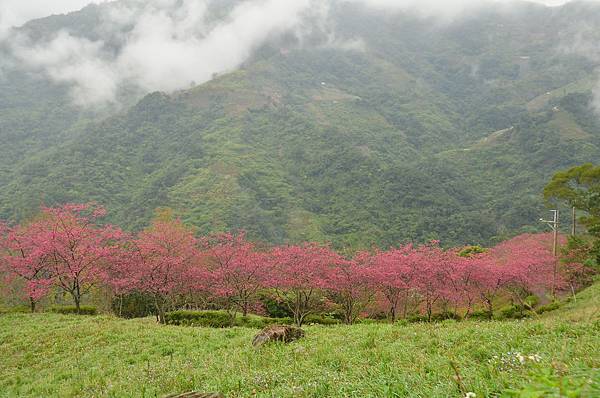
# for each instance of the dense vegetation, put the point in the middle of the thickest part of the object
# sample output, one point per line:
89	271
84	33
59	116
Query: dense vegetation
554	352
359	169
65	250
431	131
555	355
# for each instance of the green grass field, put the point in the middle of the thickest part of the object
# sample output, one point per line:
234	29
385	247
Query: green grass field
46	355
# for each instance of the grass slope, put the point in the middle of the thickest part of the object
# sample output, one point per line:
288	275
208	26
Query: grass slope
53	355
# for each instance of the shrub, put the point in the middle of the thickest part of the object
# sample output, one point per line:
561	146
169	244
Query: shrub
513	312
69	310
531	301
274	308
479	315
213	319
321	320
470	251
379	316
134	305
417	318
17	309
548	307
259	322
443	316
368	321
222	319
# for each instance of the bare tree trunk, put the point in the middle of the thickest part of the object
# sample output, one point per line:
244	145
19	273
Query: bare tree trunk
393	299
490	308
160	310
76	293
393	313
348	310
77	300
32	304
299	316
245	306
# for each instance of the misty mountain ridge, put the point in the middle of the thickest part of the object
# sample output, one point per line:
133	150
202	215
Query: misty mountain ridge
359	126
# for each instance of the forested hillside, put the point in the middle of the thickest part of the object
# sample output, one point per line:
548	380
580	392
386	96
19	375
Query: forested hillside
400	129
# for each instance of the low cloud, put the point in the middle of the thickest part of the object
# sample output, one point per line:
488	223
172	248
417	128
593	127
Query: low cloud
583	40
164	45
441	9
17	12
168	45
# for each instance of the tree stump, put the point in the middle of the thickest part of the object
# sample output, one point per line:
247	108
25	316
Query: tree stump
282	333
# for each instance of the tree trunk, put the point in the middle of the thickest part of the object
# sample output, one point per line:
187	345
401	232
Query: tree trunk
77	300
348	308
298	319
490	308
393	314
32	304
160	310
161	315
348	318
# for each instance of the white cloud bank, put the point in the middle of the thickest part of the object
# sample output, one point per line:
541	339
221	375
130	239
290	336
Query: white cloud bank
443	8
17	12
167	44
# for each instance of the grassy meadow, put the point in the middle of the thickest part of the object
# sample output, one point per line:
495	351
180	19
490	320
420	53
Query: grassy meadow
48	355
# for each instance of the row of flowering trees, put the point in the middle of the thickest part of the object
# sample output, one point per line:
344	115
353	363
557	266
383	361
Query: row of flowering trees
66	248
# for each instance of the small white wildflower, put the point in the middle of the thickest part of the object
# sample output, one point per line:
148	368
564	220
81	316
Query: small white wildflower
470	395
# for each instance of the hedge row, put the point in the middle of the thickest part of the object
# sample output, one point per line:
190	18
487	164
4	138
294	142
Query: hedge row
222	319
67	310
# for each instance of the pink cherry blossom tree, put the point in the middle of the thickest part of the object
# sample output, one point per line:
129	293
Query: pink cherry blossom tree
352	285
239	271
165	262
395	272
22	257
75	247
432	263
299	274
526	264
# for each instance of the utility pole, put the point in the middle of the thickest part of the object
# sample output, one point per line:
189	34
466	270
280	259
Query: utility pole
554	225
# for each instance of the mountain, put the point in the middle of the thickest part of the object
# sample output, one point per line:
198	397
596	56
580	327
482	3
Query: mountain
403	128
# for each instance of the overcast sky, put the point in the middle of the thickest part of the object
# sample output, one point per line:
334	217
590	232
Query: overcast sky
17	12
169	44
